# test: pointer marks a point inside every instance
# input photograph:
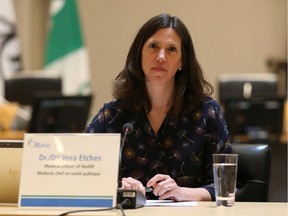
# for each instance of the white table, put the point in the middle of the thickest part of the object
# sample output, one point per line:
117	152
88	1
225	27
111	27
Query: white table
201	209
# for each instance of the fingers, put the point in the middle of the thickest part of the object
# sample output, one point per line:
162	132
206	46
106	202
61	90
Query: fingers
164	189
157	179
132	184
163	186
161	190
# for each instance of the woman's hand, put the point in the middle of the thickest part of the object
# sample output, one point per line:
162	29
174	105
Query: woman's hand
131	183
166	188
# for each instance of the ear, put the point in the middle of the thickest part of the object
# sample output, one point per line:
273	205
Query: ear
180	66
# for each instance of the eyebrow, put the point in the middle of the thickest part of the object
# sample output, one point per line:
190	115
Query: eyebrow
169	43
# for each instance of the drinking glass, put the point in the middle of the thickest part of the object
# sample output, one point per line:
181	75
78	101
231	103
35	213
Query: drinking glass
225	177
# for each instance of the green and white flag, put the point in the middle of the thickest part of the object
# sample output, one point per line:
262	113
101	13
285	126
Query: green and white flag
65	52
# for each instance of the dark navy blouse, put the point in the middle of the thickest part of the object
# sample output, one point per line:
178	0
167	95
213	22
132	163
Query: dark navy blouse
182	149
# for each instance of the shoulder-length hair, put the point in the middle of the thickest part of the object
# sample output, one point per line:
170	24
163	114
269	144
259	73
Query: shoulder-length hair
190	86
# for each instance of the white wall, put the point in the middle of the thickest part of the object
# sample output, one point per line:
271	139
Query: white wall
230	36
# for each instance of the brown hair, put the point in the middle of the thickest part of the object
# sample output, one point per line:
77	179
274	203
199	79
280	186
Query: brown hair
190	85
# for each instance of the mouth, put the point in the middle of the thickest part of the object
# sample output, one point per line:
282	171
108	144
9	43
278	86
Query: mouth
158	69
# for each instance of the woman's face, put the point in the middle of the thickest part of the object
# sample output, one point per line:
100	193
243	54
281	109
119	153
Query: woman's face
161	56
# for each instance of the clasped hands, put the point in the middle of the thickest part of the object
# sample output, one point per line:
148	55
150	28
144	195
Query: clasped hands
163	186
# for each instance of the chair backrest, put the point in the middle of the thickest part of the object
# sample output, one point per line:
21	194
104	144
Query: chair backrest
24	88
60	114
245	99
247	86
254	168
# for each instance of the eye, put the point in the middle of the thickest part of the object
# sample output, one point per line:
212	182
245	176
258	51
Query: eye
153	46
172	49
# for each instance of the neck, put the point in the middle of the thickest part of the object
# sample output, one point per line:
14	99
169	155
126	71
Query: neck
161	97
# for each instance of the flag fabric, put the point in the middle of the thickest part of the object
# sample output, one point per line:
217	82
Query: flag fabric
10	56
65	52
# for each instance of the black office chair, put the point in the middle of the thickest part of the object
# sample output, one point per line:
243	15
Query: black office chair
60	114
245	99
247	86
254	167
24	87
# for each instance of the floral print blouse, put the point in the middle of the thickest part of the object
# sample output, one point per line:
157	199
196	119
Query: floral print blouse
182	149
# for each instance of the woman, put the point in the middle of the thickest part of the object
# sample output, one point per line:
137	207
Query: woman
177	126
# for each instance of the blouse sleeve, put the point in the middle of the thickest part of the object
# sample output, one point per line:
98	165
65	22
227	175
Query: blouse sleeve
97	125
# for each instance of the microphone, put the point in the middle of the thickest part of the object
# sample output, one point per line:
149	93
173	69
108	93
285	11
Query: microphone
127	129
128	199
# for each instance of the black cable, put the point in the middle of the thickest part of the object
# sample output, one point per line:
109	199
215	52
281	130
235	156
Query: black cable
119	206
85	210
121	209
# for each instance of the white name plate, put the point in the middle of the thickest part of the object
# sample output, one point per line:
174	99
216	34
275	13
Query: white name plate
69	170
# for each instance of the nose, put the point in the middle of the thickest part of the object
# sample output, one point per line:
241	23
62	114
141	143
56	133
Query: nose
161	56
